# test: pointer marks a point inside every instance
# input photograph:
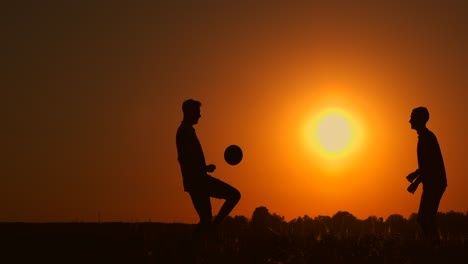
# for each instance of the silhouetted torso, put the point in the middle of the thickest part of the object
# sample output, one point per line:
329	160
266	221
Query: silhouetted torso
190	156
431	163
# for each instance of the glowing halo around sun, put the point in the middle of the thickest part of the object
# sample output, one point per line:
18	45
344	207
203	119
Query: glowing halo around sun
332	133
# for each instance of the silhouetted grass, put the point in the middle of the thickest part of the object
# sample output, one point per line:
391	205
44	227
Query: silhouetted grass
337	239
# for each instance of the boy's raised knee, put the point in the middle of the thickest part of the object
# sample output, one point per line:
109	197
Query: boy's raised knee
236	196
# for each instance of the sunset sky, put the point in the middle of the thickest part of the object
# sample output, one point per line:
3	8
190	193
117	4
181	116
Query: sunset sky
92	96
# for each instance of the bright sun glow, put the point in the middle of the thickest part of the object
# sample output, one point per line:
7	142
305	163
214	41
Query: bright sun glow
333	132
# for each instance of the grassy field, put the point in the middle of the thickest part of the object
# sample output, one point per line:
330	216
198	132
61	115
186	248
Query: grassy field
303	240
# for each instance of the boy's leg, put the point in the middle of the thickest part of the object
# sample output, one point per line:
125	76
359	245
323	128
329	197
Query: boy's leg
222	190
201	202
427	215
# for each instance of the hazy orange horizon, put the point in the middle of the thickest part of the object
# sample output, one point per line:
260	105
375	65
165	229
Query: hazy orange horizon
94	99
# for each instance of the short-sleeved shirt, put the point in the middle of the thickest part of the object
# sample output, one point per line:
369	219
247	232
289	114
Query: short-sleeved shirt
191	158
430	161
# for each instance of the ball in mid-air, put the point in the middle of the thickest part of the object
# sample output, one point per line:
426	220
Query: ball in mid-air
233	155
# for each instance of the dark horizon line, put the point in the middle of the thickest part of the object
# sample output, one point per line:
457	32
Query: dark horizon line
249	218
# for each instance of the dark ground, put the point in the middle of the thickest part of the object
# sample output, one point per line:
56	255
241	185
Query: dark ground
170	243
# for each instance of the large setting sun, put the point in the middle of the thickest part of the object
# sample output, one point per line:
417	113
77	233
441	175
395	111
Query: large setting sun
333	133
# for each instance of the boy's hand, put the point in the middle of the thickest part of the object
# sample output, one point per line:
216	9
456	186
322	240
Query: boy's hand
412	187
412	176
210	168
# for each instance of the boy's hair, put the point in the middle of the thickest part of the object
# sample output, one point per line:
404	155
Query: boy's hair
422	113
190	106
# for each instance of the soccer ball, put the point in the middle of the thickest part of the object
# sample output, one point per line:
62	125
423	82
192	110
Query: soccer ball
233	155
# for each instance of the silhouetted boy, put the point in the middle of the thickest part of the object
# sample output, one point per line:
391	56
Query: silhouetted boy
431	173
196	180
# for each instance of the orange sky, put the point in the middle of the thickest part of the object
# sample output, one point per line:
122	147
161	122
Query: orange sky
94	98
